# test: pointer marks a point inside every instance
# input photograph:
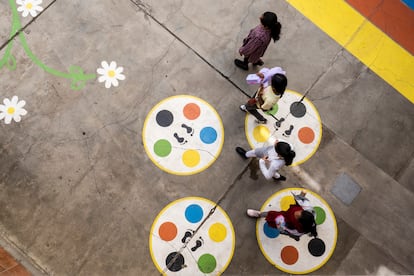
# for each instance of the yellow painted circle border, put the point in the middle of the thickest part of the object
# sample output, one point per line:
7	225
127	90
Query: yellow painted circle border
192	198
171	171
251	144
330	212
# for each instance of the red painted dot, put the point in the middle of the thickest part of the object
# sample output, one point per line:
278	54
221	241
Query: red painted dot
289	255
191	111
167	231
306	135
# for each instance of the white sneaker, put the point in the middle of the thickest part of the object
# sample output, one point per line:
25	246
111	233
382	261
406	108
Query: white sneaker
243	108
253	213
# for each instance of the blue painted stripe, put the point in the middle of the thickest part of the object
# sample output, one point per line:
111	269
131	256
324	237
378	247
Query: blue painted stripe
409	3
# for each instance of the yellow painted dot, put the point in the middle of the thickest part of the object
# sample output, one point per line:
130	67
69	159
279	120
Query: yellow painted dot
217	232
191	158
29	6
286	201
261	133
111	73
11	110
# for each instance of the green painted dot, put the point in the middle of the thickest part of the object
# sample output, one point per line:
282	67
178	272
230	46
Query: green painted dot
273	110
207	263
162	148
320	215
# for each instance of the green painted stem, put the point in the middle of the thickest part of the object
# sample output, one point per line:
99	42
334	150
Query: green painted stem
75	73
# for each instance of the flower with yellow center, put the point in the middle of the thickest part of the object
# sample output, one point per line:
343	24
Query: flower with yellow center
12	110
110	74
31	7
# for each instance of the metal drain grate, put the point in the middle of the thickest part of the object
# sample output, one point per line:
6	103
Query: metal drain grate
345	189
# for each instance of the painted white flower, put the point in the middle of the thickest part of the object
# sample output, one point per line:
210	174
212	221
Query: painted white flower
12	110
110	74
29	6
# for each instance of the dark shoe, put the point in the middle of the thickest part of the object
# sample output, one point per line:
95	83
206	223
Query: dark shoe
261	122
296	238
281	178
258	63
241	152
284	232
241	64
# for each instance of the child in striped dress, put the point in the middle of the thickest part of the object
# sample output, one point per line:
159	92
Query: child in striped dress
255	44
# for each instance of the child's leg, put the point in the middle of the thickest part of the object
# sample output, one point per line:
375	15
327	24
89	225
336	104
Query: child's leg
258	63
258	152
253	110
263	214
250	154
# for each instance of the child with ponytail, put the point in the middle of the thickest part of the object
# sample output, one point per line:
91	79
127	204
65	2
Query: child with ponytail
255	44
272	158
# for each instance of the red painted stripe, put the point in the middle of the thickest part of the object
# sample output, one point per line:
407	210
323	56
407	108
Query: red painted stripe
392	17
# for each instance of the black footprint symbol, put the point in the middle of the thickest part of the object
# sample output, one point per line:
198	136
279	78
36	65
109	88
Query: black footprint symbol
189	129
199	243
187	235
180	140
288	131
279	123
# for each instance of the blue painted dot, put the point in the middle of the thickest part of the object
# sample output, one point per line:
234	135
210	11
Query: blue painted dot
270	232
208	135
194	213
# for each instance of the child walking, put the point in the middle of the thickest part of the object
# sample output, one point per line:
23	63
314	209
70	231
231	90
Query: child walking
255	44
298	220
267	95
272	158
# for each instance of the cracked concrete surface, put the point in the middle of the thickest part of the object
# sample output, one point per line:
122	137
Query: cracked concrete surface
79	194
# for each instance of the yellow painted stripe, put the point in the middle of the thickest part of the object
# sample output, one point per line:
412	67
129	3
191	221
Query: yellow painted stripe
364	40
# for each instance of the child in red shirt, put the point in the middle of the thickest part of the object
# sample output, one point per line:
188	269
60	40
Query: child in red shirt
294	222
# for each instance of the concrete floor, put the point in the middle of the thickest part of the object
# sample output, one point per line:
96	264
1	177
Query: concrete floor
78	191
